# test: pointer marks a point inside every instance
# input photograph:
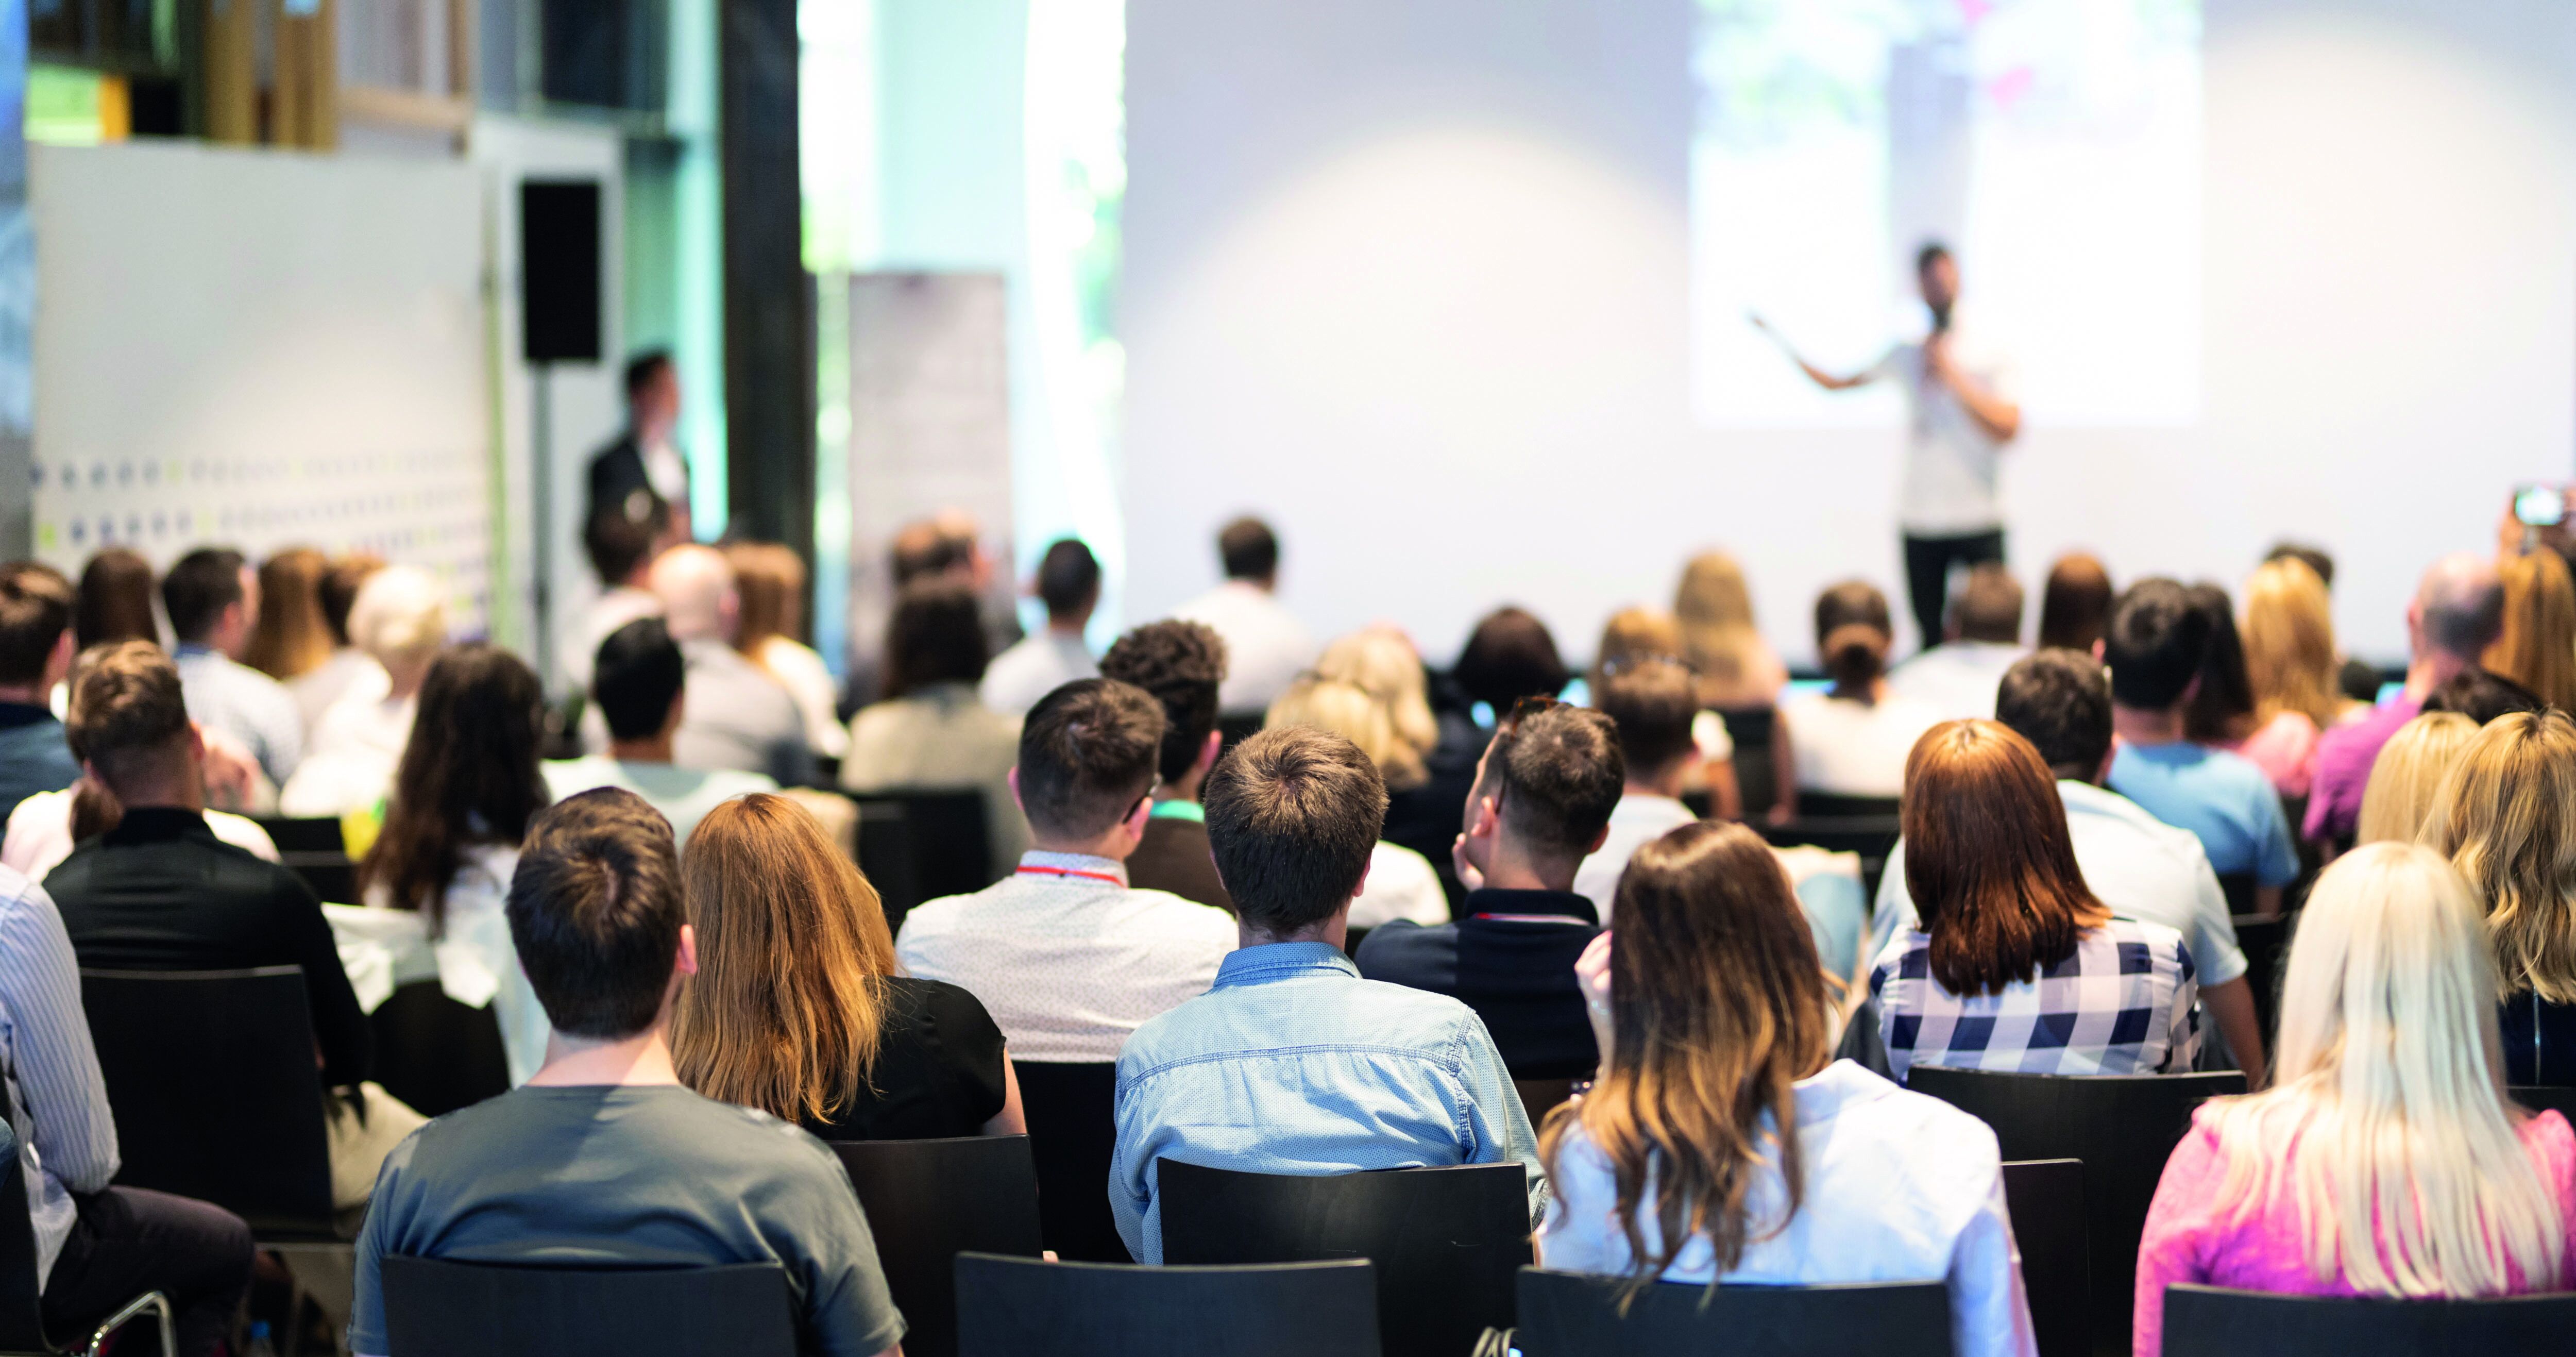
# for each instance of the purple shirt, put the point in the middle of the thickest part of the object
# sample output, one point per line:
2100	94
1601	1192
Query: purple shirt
2344	756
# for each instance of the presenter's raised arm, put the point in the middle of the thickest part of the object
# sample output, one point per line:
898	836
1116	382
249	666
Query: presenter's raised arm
1827	380
1997	414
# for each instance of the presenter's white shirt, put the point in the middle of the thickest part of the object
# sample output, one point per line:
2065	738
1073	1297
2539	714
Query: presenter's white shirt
1266	647
1950	459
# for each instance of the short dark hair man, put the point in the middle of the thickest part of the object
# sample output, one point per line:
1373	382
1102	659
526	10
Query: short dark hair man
1266	646
1183	665
212	597
35	654
642	469
1291	1063
1067	956
2156	644
623	1164
2137	864
1983	638
1652	704
1068	583
1542	803
639	686
621	551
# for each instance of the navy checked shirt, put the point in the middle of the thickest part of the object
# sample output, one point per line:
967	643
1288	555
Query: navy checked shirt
2122	1004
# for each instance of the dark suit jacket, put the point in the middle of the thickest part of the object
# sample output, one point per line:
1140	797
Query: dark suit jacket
616	472
1174	857
161	893
1515	970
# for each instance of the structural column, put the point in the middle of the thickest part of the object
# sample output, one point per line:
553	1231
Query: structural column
768	331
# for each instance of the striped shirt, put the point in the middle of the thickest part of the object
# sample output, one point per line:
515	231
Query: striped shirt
2120	1004
57	1098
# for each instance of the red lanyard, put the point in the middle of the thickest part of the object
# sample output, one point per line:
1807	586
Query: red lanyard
1071	871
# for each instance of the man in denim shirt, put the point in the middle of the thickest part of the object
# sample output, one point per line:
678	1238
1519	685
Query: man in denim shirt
1292	1063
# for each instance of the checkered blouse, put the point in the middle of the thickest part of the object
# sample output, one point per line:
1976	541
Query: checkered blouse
2122	1004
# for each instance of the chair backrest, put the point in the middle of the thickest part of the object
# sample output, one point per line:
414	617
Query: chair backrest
2208	1321
1572	1314
2559	1100
2046	1199
1540	1096
1071	1112
2122	1126
1872	836
305	834
211	1077
434	1307
2266	944
436	1054
1753	729
22	1327
1836	806
930	1200
944	843
315	849
1446	1241
2239	889
1019	1307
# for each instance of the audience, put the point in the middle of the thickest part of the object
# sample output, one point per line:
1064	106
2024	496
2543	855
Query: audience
213	601
640	686
1635	636
2288	635
2456	614
770	633
605	1146
2385	1160
798	1008
2138	866
1543	800
621	551
2222	712
1182	665
2481	696
1400	883
1265	645
2359	683
1068	583
157	891
399	620
1650	706
2408	774
96	1245
1292	1063
2506	817
2158	648
2075	604
1740	679
35	656
1715	1032
115	601
2537	646
1069	957
436	878
1509	656
348	669
738	717
930	733
290	640
1851	740
1957	678
1383	662
2016	964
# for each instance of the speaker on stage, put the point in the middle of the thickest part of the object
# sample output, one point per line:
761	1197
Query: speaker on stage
559	282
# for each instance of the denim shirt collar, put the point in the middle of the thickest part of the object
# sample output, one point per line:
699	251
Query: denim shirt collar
1281	961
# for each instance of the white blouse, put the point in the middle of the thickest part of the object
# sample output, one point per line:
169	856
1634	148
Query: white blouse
473	960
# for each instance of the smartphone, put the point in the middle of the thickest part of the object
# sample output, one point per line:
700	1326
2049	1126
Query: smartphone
2540	506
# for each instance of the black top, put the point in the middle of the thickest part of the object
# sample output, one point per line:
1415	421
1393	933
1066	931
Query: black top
2539	1042
1173	856
161	893
938	1071
1516	972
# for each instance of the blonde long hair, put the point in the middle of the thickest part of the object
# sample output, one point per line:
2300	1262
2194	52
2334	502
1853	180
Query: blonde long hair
2410	1179
787	1007
2506	817
1382	662
2289	643
2538	646
1347	710
770	581
1715	612
2408	774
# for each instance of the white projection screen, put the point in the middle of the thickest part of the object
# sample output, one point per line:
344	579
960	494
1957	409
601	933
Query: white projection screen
1454	292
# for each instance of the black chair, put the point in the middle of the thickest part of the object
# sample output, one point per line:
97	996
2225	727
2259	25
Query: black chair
2559	1100
22	1326
436	1054
1540	1096
925	844
211	1077
930	1200
2209	1321
2046	1198
1446	1241
2266	944
1872	837
2122	1126
2239	888
1073	1132
316	850
1572	1314
434	1308
1836	806
1234	730
1018	1307
1753	729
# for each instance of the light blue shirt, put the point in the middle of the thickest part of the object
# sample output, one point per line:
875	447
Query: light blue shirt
2222	798
1292	1064
57	1100
245	704
1898	1187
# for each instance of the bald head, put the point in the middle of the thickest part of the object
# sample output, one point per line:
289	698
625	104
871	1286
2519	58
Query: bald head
2459	608
697	593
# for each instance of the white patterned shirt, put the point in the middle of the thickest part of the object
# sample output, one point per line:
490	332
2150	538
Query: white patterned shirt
2120	1004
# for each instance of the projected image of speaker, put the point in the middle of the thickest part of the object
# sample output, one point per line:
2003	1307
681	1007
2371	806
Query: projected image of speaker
559	282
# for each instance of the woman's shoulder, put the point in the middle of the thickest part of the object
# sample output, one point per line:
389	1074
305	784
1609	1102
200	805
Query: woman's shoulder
2123	931
2552	1146
935	1002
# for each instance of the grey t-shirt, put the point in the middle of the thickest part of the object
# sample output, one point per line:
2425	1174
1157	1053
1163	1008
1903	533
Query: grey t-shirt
651	1176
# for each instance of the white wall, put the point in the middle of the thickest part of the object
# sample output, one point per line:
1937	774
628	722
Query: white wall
1412	278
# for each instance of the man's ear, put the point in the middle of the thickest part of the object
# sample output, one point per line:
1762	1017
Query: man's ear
2100	650
1598	840
1208	751
1013	777
686	963
1484	817
1136	817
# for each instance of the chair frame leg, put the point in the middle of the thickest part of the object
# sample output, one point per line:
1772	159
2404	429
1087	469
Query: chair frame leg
152	1301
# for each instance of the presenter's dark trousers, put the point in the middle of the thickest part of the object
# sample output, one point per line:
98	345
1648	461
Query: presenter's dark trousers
128	1240
1927	573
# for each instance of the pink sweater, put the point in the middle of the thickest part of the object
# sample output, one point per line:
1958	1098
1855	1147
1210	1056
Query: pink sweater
2188	1240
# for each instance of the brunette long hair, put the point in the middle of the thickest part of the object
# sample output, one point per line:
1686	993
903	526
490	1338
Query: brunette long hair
290	637
1988	859
1717	1007
468	776
789	1000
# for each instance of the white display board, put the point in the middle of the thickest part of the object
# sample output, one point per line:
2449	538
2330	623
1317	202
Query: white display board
261	349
